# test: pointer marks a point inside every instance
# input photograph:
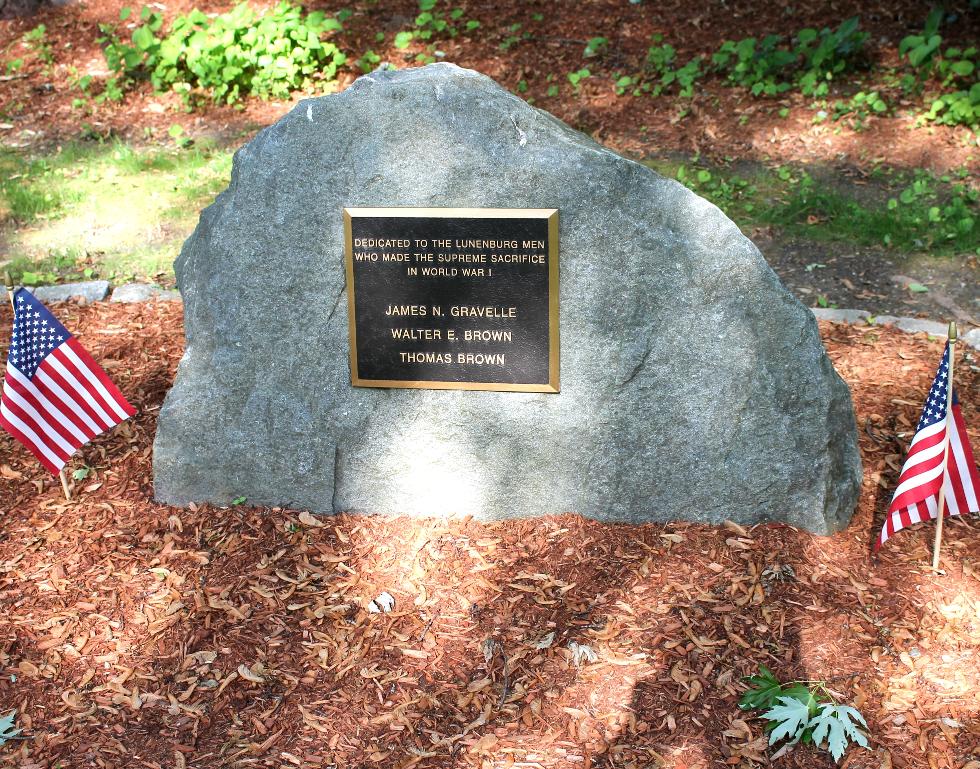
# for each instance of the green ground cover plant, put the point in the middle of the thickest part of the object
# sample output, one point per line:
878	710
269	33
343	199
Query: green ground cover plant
957	101
229	56
661	73
814	63
766	66
758	65
435	21
859	108
244	52
37	40
773	65
576	78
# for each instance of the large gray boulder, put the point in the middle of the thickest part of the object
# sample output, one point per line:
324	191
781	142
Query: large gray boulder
694	385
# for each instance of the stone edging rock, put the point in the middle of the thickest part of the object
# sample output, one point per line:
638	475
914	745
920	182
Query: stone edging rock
128	293
97	290
908	325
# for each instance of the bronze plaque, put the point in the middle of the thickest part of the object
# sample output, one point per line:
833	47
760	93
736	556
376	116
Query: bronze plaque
453	298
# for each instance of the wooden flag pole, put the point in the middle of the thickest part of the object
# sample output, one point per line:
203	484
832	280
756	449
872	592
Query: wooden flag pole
941	508
9	283
64	484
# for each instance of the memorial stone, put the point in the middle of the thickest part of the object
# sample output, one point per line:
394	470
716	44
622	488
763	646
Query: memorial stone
424	296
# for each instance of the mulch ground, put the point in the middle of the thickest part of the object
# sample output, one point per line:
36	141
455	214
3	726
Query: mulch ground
37	101
136	634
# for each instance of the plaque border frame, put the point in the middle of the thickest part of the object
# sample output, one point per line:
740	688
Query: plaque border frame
551	214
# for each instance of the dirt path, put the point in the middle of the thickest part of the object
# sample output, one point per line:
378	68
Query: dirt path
874	280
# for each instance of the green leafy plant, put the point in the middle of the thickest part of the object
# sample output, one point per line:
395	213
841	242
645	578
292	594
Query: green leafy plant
7	730
828	53
956	108
956	63
859	108
112	90
434	22
368	61
957	101
772	65
660	55
951	217
804	711
661	73
576	78
228	56
595	46
920	50
30	278
685	77
730	193
514	37
179	136
37	40
404	39
623	83
759	65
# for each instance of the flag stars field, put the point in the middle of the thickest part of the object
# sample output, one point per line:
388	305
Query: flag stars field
55	397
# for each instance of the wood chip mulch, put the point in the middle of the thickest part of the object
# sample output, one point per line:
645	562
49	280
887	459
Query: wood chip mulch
139	635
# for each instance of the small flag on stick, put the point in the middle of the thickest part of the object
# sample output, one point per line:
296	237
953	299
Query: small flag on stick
55	397
939	477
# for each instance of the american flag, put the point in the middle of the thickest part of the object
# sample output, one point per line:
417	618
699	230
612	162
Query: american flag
917	497
55	396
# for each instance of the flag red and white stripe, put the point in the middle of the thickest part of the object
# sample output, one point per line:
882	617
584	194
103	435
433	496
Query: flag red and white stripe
55	397
931	464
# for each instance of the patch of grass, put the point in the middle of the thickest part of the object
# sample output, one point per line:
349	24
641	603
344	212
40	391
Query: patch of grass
915	213
103	210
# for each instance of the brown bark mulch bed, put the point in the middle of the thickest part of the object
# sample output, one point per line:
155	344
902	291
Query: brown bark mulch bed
135	634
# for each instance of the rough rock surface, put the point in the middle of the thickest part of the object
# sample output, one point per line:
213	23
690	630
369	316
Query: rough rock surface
693	384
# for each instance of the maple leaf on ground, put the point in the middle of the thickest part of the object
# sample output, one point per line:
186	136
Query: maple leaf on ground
791	718
7	731
765	689
834	723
